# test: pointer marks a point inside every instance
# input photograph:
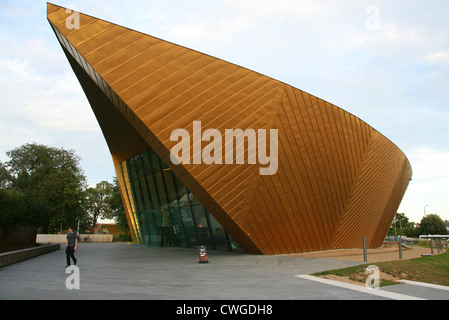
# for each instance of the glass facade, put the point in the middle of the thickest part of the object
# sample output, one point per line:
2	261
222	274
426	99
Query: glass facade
165	212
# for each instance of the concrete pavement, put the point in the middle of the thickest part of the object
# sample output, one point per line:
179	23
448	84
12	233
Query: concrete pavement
112	271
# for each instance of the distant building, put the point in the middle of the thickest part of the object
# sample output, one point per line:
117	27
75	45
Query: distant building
106	228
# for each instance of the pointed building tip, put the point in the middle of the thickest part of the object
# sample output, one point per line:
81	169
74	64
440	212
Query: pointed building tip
52	7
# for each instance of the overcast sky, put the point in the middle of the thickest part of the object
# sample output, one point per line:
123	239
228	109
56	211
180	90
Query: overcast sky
386	62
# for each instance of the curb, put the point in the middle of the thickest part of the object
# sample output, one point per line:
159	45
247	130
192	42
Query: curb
10	257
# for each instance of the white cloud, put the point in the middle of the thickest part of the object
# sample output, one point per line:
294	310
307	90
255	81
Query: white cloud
48	98
197	28
429	185
438	58
64	113
430	165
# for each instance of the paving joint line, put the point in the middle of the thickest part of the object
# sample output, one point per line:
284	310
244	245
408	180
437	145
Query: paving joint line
424	284
376	292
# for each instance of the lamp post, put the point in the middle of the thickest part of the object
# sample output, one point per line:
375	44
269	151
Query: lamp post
425	209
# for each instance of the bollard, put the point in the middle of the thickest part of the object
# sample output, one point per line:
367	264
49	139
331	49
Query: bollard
202	252
365	256
400	247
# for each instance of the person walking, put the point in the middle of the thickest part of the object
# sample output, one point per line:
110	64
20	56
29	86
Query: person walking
71	242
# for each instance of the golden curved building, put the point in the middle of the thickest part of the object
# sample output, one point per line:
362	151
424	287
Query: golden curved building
337	179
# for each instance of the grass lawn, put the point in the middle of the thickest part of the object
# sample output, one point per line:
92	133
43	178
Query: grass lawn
431	269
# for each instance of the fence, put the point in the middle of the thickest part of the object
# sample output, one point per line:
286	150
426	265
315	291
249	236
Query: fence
395	239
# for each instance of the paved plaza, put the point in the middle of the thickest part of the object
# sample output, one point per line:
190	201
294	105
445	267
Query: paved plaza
113	271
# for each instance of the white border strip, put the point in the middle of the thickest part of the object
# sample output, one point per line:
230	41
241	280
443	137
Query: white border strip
375	292
423	284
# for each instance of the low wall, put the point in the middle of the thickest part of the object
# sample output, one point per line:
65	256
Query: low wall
61	238
10	257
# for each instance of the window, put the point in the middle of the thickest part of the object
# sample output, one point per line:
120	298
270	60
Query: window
168	214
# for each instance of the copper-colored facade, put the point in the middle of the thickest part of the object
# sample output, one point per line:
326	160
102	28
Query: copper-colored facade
338	179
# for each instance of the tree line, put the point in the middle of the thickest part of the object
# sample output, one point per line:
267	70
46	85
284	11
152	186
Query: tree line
45	187
431	224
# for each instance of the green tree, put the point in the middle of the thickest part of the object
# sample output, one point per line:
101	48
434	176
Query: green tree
118	211
5	178
432	224
49	181
13	208
97	202
402	226
410	230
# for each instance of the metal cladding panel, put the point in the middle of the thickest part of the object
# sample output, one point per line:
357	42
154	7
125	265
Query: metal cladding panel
338	179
